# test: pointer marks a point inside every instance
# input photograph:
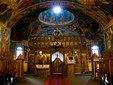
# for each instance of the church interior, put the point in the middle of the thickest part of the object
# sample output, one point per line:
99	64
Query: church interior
56	42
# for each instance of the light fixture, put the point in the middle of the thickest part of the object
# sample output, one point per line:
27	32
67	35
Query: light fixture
75	52
40	52
57	33
57	9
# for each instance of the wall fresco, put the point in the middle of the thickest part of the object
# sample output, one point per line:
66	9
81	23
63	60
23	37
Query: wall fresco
4	40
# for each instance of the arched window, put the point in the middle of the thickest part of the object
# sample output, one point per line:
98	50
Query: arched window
19	50
95	49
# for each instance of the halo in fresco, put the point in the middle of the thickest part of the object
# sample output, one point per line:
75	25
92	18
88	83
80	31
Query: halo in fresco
48	17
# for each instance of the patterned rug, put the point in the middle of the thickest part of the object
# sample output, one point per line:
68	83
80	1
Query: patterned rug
57	79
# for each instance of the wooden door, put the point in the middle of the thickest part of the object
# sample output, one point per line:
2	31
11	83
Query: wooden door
57	66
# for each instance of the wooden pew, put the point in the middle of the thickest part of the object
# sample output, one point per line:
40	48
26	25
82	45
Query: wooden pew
111	71
106	68
1	71
6	68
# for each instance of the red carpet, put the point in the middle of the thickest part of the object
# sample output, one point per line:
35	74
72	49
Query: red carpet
57	79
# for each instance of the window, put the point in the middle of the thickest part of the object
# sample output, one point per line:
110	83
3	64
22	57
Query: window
95	50
19	50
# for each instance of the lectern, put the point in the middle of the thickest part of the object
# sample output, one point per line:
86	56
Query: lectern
70	66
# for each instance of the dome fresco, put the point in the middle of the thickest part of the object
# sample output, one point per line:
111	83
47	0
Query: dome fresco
50	18
24	28
28	18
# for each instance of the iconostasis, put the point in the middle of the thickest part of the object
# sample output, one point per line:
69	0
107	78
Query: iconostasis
43	59
78	59
38	61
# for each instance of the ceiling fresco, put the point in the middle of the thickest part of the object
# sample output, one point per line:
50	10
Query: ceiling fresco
50	18
26	18
30	26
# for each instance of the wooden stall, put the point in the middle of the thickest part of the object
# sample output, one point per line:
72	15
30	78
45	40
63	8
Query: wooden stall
106	69
2	71
6	68
111	71
96	69
10	69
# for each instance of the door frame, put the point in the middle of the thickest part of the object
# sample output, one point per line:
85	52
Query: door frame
53	59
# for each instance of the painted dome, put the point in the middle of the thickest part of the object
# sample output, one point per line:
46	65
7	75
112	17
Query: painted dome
48	17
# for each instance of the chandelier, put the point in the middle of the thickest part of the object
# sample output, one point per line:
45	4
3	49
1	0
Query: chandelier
57	33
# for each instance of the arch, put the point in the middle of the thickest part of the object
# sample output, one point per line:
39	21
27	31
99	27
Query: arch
57	55
74	5
94	47
19	48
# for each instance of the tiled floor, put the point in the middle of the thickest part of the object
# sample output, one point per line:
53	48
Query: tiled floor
77	80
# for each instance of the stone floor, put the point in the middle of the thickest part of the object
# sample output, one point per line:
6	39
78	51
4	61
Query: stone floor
83	80
77	80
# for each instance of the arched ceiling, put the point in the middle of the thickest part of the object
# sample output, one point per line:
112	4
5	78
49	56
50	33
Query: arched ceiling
22	17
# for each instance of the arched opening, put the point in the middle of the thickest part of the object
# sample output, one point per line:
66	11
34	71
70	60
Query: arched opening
57	61
57	55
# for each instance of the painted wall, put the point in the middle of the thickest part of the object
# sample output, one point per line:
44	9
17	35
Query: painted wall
4	40
109	37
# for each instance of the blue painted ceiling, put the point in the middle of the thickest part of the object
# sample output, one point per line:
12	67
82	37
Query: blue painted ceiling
28	18
48	17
